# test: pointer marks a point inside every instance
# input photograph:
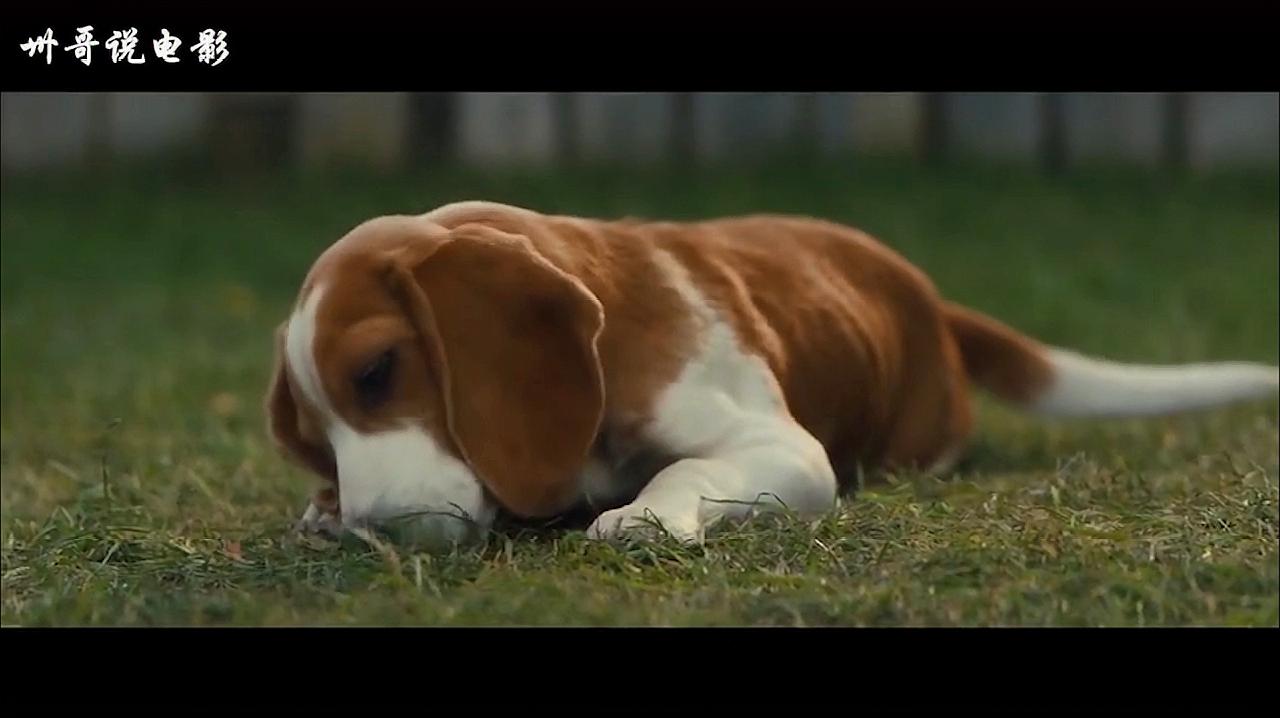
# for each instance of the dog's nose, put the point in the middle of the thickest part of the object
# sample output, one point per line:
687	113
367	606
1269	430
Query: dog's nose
431	529
445	525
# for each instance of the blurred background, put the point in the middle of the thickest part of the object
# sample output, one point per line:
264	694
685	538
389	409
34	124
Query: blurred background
1202	131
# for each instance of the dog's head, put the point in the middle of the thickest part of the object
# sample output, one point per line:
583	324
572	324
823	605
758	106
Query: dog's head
439	373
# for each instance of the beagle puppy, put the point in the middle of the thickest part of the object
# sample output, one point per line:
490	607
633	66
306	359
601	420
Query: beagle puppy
482	357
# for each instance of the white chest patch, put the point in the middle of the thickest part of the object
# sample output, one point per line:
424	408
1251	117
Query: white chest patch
719	388
739	449
399	474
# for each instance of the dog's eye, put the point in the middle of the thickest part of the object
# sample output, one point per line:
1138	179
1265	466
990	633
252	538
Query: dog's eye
373	384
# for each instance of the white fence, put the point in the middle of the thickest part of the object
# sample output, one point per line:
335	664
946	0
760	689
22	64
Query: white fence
1201	130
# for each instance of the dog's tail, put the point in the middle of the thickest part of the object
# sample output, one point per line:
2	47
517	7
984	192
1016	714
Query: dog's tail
1049	381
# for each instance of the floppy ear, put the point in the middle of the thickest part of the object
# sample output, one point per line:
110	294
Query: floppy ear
292	433
513	343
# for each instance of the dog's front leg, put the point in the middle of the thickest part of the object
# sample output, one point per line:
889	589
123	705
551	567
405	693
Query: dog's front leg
323	514
769	464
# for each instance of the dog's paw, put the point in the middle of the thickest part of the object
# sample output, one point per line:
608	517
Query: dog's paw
316	521
639	520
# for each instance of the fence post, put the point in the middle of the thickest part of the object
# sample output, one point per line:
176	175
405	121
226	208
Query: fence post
1053	139
433	126
683	142
253	131
934	119
807	127
1177	129
98	150
564	116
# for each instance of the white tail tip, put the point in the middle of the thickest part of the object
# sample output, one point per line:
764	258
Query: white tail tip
1083	386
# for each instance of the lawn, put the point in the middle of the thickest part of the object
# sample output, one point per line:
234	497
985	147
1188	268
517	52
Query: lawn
139	487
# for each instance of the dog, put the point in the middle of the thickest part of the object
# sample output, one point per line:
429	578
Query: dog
441	368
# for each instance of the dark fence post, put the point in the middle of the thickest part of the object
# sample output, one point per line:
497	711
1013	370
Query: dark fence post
934	119
683	142
807	126
1053	137
433	126
99	149
1177	129
251	131
564	112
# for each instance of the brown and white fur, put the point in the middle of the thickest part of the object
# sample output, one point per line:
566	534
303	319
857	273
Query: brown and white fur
483	356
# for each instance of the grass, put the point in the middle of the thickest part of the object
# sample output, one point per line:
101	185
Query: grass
139	488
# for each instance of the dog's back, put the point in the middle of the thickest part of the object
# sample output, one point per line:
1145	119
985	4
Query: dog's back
871	359
878	365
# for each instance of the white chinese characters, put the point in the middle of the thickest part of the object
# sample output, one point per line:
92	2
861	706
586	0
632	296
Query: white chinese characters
84	44
125	46
211	46
45	43
122	44
167	46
